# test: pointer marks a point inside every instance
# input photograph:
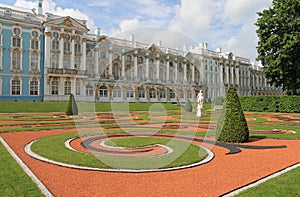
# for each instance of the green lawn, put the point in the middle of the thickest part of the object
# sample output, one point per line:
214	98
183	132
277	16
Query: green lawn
287	185
13	180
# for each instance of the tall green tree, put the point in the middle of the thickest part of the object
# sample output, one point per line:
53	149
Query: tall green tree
279	44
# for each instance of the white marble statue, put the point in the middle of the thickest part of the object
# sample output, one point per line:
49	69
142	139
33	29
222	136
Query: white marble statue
200	100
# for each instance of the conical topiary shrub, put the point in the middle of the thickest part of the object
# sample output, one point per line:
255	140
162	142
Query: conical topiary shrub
188	106
72	106
232	125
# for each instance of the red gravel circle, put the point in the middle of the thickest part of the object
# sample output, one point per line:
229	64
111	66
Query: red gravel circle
223	174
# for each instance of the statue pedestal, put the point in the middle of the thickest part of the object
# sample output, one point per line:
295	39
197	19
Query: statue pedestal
199	112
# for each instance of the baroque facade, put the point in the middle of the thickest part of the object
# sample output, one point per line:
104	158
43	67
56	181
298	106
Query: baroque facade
47	57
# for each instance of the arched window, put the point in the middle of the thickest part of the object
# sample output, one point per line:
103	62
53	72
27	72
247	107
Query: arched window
128	72
172	94
54	87
129	93
16	59
162	93
34	61
67	88
181	94
141	92
129	58
140	60
116	71
162	75
152	93
151	73
140	72
55	45
34	87
89	90
103	92
117	92
16	86
116	56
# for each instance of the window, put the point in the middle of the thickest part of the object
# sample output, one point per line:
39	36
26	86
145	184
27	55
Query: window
67	61
89	90
128	72
67	47
54	61
189	94
141	92
162	93
162	74
16	31
16	87
151	73
172	94
54	87
129	58
34	88
103	93
16	59
55	35
55	45
34	34
115	71
34	44
34	62
117	92
102	54
181	94
129	93
116	56
78	87
77	62
67	88
16	42
152	93
140	60
140	73
77	48
67	37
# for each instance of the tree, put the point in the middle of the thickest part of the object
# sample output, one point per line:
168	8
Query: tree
188	106
279	44
232	125
72	108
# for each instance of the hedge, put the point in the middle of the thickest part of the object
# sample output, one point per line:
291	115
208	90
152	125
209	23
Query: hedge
283	104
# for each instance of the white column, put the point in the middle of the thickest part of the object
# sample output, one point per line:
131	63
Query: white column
47	48
61	49
135	67
184	73
72	54
221	85
61	86
123	65
84	56
110	59
157	69
176	71
232	74
237	70
168	71
193	74
147	68
96	67
227	72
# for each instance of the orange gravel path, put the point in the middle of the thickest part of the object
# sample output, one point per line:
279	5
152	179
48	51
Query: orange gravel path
223	174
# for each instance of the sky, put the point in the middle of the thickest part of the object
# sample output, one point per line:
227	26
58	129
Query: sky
226	24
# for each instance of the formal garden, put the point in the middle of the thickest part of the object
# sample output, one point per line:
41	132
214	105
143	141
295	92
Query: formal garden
148	138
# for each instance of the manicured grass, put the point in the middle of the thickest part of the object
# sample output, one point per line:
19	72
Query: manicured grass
287	184
184	153
13	180
28	107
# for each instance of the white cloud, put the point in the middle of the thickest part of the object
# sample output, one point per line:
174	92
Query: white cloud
50	6
129	24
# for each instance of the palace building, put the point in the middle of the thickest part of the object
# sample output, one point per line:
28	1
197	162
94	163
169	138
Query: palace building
45	57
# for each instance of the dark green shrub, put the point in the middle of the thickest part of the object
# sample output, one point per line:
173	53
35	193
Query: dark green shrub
72	108
188	106
283	104
232	125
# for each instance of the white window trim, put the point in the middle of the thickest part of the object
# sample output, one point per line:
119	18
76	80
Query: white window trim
21	59
38	86
39	60
10	85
